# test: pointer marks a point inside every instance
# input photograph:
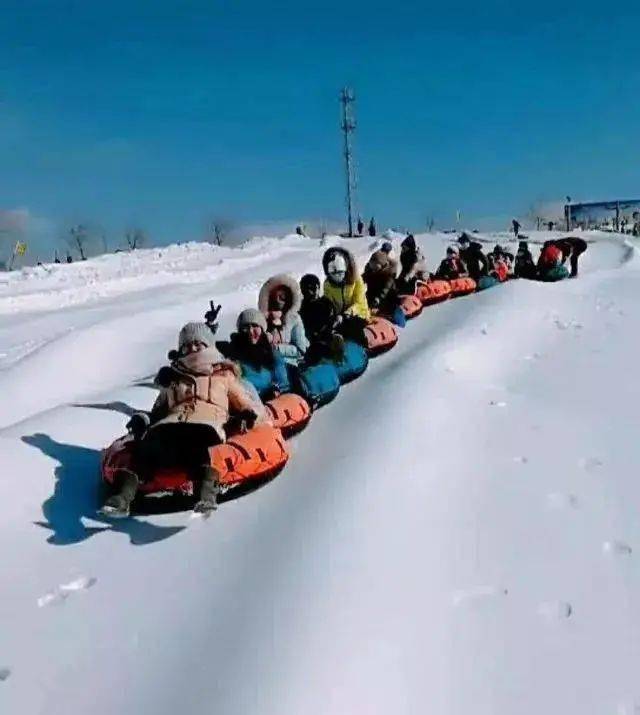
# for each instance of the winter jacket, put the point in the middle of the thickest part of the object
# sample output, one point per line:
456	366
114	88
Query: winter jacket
292	341
380	278
205	395
570	246
413	267
525	266
318	317
349	299
261	365
499	269
475	260
451	268
550	256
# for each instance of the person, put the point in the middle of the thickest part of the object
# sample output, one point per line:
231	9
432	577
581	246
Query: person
318	317
413	267
261	364
525	266
452	266
300	231
379	276
550	225
473	257
360	226
550	256
198	393
516	227
498	263
372	227
572	248
346	291
69	258
279	301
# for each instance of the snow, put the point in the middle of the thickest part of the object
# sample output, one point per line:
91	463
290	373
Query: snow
457	533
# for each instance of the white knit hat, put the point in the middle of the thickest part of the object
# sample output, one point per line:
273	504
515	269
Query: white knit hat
196	332
252	316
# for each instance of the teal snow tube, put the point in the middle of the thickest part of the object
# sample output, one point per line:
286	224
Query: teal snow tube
485	282
353	364
557	273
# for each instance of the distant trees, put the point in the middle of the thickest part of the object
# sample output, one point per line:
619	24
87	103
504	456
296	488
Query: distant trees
219	229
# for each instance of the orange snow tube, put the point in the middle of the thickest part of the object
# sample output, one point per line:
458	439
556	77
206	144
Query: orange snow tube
410	305
462	286
433	292
289	413
381	336
256	455
260	454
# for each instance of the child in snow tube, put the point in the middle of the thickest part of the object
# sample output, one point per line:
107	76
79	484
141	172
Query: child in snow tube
550	266
525	266
413	267
498	265
261	364
572	248
198	391
452	266
346	291
318	317
379	276
279	301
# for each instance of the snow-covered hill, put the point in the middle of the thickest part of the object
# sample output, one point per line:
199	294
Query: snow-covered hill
457	533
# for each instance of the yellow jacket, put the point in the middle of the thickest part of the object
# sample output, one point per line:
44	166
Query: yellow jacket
350	299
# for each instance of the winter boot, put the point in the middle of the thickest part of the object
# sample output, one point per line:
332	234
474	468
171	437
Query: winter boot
119	505
209	491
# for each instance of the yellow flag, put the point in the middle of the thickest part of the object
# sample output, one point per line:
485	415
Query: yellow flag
21	248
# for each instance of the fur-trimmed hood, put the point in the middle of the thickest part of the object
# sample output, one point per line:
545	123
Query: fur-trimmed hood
352	267
282	280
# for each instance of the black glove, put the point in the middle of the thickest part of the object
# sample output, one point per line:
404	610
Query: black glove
211	316
241	422
271	393
138	424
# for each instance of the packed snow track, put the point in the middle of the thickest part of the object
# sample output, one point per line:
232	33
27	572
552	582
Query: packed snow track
457	533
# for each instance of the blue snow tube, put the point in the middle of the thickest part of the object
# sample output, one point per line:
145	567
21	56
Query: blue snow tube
557	273
354	363
264	380
485	282
398	317
318	384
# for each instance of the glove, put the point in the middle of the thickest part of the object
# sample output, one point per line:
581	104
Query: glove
211	316
271	393
241	422
138	424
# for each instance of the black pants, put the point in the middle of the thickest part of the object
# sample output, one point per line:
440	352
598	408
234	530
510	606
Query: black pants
176	445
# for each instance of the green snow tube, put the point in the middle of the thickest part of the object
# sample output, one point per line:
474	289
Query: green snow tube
557	273
485	282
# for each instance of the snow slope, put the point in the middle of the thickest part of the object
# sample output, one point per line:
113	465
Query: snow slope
456	533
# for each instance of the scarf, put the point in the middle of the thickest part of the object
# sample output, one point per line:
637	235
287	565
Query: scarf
200	363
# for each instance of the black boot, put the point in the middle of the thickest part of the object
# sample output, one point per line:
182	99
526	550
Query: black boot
209	491
119	505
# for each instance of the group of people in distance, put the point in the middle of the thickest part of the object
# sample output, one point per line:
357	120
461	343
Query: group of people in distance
468	259
214	387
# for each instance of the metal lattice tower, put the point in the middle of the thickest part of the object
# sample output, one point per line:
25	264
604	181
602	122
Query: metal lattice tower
347	99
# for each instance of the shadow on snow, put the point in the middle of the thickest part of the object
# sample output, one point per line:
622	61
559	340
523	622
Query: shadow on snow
78	494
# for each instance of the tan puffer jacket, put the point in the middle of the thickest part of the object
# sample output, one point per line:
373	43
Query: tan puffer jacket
204	398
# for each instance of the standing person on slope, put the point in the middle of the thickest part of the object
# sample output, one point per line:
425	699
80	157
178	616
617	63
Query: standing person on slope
346	291
198	392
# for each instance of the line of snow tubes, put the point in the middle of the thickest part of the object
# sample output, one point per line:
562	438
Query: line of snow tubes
261	453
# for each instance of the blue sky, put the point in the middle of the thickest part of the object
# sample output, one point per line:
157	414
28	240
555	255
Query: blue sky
164	113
